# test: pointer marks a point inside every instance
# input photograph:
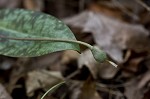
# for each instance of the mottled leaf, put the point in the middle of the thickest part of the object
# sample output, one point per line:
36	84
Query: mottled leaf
21	23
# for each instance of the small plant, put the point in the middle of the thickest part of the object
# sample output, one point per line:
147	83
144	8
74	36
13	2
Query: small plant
25	33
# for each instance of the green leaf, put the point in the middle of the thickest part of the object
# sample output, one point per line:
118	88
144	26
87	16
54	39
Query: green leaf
19	23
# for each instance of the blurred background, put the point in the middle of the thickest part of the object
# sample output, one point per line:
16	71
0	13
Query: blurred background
120	27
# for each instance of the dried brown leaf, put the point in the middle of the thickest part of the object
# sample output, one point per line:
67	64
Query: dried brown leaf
112	35
41	79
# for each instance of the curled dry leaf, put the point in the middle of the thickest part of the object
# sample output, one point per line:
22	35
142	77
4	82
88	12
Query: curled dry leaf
112	35
103	70
41	79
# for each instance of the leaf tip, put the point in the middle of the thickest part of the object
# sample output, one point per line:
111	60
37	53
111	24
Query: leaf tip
112	63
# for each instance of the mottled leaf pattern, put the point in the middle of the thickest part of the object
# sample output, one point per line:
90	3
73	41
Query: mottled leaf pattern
29	24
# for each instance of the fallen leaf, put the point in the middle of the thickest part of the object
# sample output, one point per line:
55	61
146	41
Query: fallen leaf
41	79
110	34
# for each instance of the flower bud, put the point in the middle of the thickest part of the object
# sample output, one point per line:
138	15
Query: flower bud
99	55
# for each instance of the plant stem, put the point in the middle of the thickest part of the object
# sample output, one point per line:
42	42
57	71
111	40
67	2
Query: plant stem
65	40
52	88
49	39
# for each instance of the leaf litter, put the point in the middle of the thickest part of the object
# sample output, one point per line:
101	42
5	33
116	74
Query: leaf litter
110	34
127	43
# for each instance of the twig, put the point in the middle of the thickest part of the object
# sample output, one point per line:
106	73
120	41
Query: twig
112	92
53	88
143	4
